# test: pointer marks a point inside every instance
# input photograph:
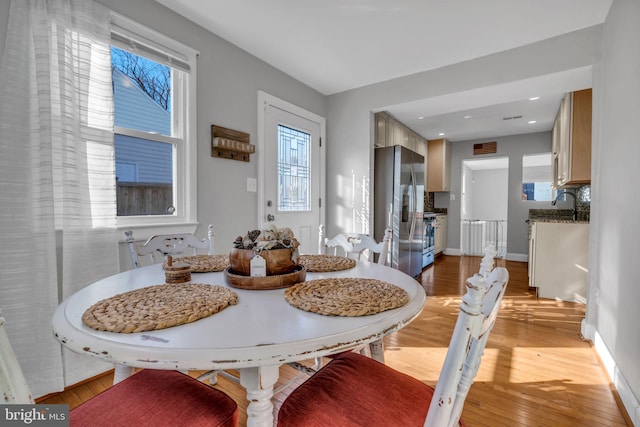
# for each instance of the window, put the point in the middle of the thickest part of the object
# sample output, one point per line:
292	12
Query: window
154	82
294	165
536	177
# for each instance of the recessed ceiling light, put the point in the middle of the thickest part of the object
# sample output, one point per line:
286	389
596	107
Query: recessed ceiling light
534	98
531	122
441	134
467	117
421	118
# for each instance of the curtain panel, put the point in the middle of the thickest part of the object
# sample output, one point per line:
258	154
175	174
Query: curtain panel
57	175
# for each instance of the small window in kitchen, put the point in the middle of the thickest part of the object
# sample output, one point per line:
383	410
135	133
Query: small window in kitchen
536	178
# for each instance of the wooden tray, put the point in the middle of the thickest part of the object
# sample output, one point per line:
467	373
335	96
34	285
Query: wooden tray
276	281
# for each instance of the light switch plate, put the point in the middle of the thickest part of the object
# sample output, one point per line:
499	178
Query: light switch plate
452	196
252	185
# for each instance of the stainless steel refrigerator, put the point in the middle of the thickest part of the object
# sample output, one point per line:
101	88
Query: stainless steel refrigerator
398	204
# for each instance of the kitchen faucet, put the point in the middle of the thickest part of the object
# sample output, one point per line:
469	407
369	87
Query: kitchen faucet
575	202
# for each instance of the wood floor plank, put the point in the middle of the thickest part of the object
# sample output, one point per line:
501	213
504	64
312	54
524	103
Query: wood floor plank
537	370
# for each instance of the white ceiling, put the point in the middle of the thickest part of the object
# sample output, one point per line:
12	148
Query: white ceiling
337	45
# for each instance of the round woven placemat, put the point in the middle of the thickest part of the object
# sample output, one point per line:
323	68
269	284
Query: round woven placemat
346	296
205	263
325	263
158	307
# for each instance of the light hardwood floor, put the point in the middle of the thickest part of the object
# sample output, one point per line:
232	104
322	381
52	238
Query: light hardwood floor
537	370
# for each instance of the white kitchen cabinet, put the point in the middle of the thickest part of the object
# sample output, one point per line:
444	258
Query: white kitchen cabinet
558	256
381	130
440	234
571	140
397	133
438	165
390	132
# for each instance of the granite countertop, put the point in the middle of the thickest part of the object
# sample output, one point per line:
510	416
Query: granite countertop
557	220
557	215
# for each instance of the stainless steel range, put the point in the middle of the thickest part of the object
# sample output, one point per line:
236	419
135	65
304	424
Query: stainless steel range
429	238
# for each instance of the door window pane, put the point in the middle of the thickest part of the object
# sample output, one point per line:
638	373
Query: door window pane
293	170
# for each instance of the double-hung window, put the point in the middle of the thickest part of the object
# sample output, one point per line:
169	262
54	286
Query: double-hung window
154	86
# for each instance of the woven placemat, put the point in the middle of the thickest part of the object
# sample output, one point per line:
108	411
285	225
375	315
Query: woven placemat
205	263
346	296
325	263
158	307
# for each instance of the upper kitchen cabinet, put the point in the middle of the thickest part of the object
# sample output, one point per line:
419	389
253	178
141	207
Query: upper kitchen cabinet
381	130
398	134
571	140
389	131
438	165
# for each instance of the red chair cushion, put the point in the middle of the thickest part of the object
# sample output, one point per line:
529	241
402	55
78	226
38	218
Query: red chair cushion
157	398
354	390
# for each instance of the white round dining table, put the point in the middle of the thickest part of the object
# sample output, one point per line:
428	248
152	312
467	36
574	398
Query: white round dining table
256	336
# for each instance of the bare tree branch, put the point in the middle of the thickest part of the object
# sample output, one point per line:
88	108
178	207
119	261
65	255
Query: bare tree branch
153	78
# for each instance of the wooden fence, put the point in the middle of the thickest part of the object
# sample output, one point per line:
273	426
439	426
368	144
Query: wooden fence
143	198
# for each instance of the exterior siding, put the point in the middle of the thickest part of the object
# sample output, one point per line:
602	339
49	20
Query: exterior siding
139	160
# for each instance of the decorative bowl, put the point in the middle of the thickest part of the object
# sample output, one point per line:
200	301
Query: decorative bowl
278	261
276	281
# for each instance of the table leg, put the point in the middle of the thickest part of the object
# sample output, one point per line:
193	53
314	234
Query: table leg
259	383
122	372
377	351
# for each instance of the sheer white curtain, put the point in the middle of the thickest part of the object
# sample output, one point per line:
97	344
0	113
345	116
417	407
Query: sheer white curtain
58	200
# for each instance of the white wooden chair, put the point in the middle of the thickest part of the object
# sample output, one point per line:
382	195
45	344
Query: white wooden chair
356	245
357	391
159	246
149	398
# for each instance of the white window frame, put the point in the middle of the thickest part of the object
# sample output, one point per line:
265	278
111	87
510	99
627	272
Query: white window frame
184	140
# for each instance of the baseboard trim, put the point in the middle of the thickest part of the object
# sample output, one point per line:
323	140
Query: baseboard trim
517	257
630	403
508	257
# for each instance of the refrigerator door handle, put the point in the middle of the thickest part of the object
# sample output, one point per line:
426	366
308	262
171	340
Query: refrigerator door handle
412	209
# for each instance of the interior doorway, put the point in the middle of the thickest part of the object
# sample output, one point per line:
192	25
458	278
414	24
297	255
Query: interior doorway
484	205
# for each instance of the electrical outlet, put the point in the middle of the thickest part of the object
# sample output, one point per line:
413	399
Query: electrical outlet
452	196
252	185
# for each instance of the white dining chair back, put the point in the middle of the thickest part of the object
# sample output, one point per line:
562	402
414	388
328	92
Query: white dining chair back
358	246
355	390
487	262
478	312
13	384
159	246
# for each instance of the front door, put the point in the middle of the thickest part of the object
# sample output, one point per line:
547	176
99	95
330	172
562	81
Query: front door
292	173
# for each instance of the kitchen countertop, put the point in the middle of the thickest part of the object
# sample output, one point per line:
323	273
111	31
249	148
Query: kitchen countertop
557	220
557	215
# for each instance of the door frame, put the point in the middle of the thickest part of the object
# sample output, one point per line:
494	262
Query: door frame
265	100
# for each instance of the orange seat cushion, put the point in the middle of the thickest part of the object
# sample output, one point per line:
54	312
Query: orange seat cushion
354	390
157	398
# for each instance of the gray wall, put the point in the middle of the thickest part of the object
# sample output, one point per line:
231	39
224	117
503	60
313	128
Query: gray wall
513	147
228	83
614	292
350	117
